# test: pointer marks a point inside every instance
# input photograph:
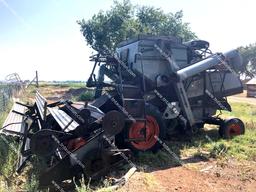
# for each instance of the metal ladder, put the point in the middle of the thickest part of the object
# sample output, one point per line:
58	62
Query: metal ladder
133	102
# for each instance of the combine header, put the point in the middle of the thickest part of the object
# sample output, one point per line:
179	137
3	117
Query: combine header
72	140
156	86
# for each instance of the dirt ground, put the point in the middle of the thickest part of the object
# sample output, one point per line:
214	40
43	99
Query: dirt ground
211	175
202	176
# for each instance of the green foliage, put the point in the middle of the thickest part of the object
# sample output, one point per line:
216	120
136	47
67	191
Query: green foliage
249	59
86	96
124	20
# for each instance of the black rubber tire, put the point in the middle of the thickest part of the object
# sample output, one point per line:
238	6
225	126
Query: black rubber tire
231	127
154	112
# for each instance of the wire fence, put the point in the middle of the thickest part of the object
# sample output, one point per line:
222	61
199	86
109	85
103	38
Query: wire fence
7	92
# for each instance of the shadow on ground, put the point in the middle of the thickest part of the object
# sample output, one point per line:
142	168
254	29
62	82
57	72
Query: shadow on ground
171	155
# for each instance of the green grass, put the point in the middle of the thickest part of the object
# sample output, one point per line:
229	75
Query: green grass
8	158
4	114
62	85
241	147
8	153
73	85
244	111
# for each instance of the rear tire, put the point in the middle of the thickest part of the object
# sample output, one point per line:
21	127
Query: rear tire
155	131
231	127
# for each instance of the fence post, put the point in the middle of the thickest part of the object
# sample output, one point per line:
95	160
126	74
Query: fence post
37	85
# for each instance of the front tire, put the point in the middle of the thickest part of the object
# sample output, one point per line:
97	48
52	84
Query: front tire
231	127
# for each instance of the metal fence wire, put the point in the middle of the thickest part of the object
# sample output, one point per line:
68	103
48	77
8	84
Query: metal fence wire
7	92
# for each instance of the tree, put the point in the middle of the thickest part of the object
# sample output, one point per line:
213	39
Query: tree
249	60
124	20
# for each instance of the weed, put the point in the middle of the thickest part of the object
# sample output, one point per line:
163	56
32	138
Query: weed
83	187
218	149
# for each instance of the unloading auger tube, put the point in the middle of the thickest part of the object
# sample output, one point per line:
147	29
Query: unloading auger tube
231	59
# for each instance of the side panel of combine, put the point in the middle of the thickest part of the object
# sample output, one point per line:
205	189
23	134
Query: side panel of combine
143	51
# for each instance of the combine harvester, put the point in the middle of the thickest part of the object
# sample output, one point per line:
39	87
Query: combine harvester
158	86
167	86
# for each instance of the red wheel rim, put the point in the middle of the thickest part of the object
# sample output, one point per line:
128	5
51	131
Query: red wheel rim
234	129
137	131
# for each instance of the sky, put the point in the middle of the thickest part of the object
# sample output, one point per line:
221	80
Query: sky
43	34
